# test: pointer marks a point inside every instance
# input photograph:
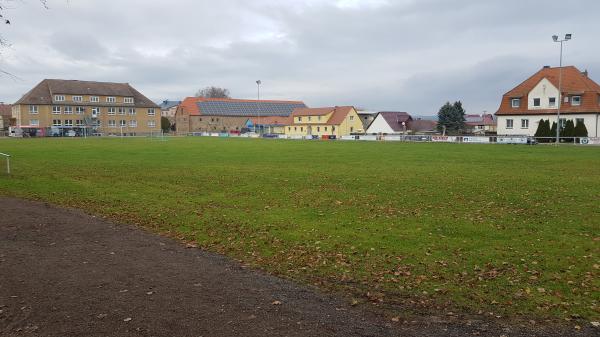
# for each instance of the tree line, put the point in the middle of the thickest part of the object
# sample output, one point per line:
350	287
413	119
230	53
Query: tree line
569	131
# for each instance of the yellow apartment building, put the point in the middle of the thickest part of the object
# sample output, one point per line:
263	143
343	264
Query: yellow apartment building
331	121
77	108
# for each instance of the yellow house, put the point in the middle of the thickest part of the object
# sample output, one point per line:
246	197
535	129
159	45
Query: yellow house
66	107
331	121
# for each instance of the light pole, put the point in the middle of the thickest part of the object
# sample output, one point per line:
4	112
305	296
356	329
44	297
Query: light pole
556	39
258	83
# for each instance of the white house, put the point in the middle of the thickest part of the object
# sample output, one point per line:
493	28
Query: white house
537	98
390	122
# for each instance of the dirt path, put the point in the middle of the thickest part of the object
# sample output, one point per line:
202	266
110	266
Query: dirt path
65	273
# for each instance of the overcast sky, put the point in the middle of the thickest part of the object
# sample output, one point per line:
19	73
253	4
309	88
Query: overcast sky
407	55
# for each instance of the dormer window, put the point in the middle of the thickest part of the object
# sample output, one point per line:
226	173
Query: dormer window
576	100
94	99
536	102
128	100
59	98
110	100
77	99
516	103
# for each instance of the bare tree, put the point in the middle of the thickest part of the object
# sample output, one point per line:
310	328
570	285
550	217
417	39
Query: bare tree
213	92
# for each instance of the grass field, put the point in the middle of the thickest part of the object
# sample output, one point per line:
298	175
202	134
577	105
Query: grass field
512	230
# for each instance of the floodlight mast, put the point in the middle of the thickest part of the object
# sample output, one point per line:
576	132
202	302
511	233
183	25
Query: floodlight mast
556	39
258	83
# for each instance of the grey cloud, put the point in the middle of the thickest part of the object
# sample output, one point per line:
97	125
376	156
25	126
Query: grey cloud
405	55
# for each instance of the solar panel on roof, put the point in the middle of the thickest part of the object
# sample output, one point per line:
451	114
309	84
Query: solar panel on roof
248	109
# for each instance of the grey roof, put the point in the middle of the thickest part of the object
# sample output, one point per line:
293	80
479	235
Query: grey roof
395	119
44	91
248	108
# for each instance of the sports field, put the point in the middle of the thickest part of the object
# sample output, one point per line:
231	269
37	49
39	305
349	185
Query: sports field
503	230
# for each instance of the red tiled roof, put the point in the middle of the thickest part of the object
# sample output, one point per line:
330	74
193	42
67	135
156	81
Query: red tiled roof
395	119
339	113
190	104
573	82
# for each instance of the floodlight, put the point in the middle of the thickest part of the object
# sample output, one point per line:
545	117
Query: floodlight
555	38
568	36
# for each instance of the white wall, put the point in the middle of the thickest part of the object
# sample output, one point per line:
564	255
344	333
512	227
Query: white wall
543	90
379	125
591	123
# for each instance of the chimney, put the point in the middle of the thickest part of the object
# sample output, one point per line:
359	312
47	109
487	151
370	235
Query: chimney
585	73
546	67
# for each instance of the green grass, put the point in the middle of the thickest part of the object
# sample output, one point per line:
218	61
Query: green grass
513	230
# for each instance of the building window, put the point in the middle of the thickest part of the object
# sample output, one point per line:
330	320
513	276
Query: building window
351	129
96	111
576	100
132	111
110	100
552	102
79	122
318	129
128	100
151	124
333	129
133	123
524	123
351	118
79	110
325	129
68	110
112	111
319	118
516	103
112	123
289	128
295	128
34	122
56	110
94	99
68	122
121	111
59	98
151	112
299	119
309	118
509	123
77	99
123	122
301	129
536	102
56	122
33	109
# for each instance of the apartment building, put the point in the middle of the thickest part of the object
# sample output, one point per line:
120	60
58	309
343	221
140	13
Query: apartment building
77	108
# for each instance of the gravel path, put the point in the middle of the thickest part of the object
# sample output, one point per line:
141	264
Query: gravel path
65	273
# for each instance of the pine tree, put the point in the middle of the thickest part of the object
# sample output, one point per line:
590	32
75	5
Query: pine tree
581	129
540	129
452	117
569	131
552	130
